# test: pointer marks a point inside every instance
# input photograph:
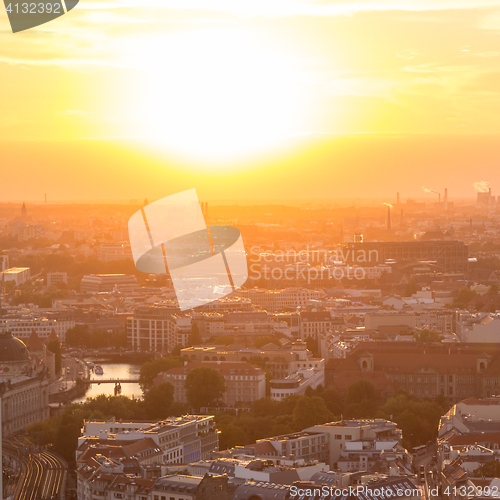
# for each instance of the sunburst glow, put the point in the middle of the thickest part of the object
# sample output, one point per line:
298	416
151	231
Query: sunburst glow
213	96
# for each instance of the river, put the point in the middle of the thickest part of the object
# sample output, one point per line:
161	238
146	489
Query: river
122	371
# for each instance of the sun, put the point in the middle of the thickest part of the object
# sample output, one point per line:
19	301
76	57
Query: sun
214	95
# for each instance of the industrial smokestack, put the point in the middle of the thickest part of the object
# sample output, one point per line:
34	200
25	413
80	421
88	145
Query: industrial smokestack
446	198
397	198
388	218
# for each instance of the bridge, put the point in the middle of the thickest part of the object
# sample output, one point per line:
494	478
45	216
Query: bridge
111	381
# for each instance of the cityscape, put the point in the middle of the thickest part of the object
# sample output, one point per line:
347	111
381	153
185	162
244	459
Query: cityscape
250	250
356	360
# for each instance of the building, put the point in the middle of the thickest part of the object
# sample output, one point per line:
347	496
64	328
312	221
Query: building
344	431
98	283
275	470
281	362
25	231
275	300
181	439
24	386
21	322
244	382
54	279
4	263
158	328
479	327
110	253
97	478
315	324
179	487
18	275
456	371
448	256
297	383
371	454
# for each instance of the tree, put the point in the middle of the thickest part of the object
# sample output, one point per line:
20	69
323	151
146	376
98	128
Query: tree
151	369
55	347
411	288
427	336
489	469
465	295
360	400
494	287
204	386
309	412
195	337
158	400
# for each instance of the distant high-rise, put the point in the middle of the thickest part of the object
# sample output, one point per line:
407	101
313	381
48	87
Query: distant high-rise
446	198
24	211
388	218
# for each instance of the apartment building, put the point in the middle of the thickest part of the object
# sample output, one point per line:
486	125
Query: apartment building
339	433
297	383
365	454
315	324
54	279
150	328
181	439
99	283
18	275
281	362
244	382
308	446
21	323
275	300
478	327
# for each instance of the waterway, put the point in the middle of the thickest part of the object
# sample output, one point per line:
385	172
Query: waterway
122	371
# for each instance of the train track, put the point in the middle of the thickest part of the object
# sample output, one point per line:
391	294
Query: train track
43	475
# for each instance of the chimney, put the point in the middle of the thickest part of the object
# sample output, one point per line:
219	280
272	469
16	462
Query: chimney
397	198
388	218
446	198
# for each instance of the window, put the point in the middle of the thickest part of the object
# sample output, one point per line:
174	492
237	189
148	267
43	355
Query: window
348	437
338	436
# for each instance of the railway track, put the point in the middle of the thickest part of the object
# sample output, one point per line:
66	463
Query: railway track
43	474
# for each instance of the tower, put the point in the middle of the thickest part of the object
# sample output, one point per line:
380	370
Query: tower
24	211
388	218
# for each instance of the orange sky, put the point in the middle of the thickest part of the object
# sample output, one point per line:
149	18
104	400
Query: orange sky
246	100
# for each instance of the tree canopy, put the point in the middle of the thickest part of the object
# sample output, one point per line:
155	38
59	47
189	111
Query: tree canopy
204	386
151	369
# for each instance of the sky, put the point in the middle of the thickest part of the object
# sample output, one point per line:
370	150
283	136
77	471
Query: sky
253	99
